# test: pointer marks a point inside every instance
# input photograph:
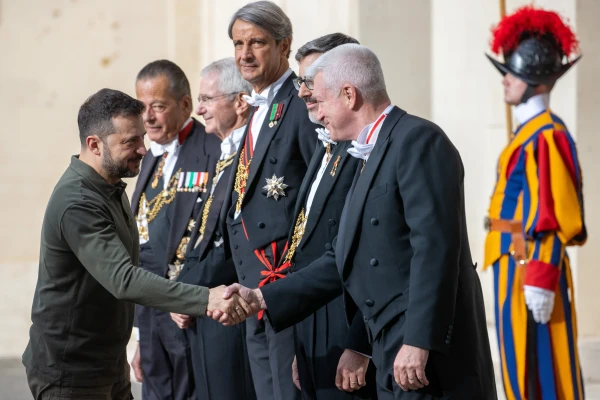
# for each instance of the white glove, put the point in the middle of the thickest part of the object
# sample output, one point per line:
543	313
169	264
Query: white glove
540	302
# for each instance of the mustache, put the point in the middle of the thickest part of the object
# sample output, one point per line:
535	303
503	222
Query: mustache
309	100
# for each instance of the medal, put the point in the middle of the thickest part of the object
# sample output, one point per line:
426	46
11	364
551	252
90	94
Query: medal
335	165
276	113
275	187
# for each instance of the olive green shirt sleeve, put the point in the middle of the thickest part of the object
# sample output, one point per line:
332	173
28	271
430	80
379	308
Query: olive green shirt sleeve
92	236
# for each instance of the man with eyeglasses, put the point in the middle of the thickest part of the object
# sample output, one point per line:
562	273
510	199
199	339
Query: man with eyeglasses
169	193
273	158
219	355
330	357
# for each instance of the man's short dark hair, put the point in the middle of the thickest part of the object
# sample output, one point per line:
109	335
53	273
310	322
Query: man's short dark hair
96	114
323	44
179	85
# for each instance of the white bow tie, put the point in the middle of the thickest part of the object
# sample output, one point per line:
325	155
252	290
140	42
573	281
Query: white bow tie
256	100
360	150
324	136
159	149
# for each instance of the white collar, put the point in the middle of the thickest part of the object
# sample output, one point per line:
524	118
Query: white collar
271	91
231	143
362	137
171	147
534	106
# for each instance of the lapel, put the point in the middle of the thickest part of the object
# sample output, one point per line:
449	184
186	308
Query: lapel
266	135
325	188
192	157
212	222
311	172
148	166
363	183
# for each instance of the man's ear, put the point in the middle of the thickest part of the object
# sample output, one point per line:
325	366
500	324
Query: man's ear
350	96
94	145
241	107
186	104
284	46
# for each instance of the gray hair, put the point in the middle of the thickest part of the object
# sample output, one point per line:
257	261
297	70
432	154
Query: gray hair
230	79
267	16
179	85
323	44
355	65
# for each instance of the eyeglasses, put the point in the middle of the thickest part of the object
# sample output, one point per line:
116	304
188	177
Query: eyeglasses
209	99
308	81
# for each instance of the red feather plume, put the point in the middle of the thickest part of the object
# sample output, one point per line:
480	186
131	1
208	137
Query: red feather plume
507	34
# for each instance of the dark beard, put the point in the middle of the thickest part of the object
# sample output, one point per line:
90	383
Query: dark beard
112	168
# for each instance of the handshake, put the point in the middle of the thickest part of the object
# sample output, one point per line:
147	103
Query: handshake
228	305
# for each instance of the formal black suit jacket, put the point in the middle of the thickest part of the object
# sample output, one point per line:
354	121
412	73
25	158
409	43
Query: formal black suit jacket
210	264
284	150
324	219
402	251
199	152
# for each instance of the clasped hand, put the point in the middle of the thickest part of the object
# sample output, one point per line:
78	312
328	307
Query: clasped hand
248	303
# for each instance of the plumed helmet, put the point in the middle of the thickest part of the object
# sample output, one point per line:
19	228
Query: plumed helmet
538	46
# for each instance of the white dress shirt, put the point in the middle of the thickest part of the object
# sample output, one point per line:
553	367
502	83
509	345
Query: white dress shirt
263	100
229	146
360	148
172	150
534	106
325	139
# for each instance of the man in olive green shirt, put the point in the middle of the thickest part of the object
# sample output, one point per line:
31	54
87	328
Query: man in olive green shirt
88	278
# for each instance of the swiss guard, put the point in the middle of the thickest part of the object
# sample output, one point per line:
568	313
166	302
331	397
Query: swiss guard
536	211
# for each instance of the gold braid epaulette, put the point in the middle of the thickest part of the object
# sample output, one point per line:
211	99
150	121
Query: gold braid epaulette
296	237
221	165
241	177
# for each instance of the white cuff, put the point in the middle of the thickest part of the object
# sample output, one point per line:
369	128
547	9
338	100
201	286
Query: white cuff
136	331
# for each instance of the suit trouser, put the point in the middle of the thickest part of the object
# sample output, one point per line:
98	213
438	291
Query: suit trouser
42	390
271	355
320	341
385	349
165	357
220	360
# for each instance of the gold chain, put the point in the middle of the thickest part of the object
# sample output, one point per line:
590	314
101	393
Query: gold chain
299	229
221	165
241	177
164	197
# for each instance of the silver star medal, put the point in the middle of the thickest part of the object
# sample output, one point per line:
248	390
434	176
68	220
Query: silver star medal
275	187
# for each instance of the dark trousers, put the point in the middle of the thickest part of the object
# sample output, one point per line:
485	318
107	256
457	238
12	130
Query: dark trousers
271	355
165	356
42	390
320	342
385	349
220	360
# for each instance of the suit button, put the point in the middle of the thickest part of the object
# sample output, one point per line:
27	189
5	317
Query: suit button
450	327
240	262
447	342
369	303
374	262
331	222
235	232
242	277
236	246
366	319
261	225
448	337
374	221
273	160
328	246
